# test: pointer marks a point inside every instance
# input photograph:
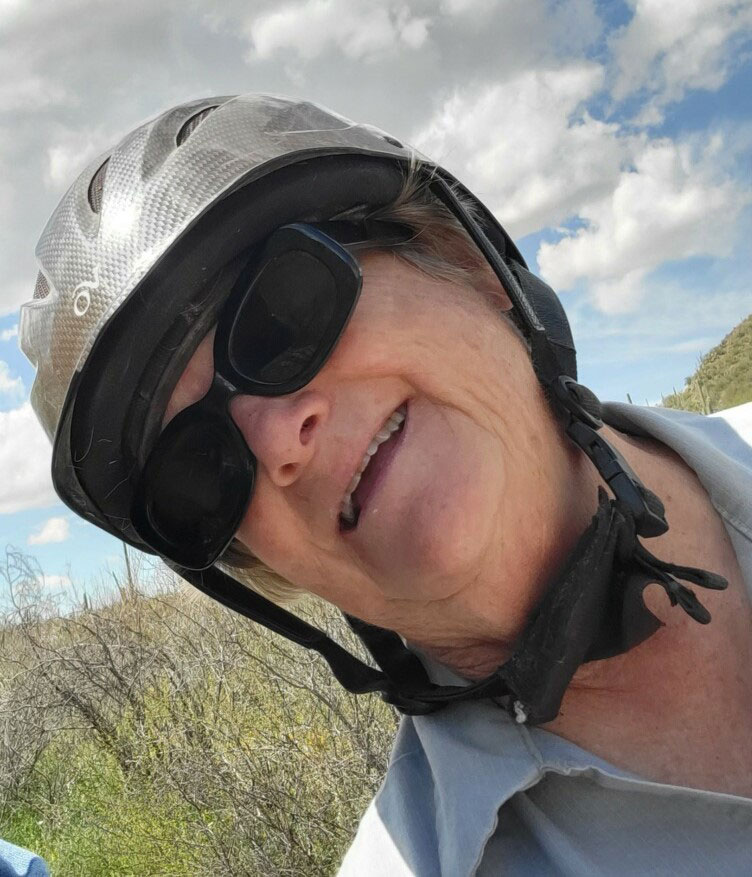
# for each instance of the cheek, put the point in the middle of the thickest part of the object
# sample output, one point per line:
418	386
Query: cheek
275	535
438	514
444	537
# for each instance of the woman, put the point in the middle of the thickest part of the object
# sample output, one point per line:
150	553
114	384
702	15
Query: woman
267	338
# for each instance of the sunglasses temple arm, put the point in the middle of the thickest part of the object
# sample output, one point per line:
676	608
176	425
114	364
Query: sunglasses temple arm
354	675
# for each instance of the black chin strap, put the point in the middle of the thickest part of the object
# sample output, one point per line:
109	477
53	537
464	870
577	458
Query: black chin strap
403	680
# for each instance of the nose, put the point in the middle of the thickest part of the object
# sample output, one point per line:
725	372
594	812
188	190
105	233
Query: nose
282	431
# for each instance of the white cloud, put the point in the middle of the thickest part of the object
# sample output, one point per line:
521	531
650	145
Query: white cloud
7	334
52	530
668	50
70	152
9	386
8	8
465	7
672	204
52	581
310	28
25	455
692	345
526	146
31	91
13	293
661	321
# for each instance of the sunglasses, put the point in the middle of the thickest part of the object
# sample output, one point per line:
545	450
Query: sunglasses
279	326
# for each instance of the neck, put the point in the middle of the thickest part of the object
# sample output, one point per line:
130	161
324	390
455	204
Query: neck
627	708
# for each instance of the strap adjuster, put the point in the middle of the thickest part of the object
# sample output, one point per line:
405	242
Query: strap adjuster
620	477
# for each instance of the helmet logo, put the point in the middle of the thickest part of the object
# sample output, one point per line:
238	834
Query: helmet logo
82	294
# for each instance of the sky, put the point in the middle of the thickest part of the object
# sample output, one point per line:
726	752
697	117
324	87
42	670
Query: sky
612	139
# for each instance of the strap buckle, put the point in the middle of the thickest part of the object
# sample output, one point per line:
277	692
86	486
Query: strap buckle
620	477
581	404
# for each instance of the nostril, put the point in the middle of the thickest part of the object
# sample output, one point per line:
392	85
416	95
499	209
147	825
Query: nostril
288	470
307	427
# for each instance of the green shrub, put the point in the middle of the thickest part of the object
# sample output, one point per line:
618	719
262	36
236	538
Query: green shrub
165	735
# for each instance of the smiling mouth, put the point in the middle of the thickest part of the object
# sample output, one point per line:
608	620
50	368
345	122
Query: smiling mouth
377	455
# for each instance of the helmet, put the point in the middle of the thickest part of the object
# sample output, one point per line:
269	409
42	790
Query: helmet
131	267
135	264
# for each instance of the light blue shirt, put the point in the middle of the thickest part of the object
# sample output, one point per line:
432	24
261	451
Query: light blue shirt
18	862
470	792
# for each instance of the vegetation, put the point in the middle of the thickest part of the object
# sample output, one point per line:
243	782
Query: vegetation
723	377
162	734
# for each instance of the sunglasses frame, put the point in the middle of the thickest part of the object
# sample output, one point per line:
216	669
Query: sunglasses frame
348	280
213	408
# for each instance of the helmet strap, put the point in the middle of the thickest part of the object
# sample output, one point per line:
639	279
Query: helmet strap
595	610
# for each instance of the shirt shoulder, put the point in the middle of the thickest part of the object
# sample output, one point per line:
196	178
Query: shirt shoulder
717	447
449	774
397	834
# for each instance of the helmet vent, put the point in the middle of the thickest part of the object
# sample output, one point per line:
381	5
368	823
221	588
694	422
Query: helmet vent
42	289
190	126
96	187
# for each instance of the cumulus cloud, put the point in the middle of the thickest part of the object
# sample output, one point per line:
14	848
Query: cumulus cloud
672	204
7	334
52	530
9	386
528	146
668	52
361	31
31	90
25	456
15	292
524	99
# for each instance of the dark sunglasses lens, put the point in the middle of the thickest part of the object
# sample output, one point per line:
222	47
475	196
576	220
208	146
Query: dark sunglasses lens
194	491
284	319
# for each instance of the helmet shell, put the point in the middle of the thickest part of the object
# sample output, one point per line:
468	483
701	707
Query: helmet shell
136	260
92	260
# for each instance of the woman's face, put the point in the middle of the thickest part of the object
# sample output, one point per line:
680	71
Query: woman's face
449	503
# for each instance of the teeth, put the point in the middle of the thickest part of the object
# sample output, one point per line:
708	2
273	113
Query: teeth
347	512
392	425
353	484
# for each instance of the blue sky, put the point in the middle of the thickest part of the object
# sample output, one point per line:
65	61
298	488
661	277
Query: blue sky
613	140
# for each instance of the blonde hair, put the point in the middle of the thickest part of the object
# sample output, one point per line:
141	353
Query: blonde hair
441	248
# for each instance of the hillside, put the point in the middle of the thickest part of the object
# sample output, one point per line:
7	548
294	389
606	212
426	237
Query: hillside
723	377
